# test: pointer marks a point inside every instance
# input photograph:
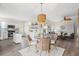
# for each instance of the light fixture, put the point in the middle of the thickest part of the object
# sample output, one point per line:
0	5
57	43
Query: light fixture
42	16
67	18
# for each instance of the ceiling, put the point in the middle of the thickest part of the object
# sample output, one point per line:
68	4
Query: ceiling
26	11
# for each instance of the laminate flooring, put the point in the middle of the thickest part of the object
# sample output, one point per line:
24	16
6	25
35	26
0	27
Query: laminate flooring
9	48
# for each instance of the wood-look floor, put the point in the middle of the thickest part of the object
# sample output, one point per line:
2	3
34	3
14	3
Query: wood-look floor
70	47
9	48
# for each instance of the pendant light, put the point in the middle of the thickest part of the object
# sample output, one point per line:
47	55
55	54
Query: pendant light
42	16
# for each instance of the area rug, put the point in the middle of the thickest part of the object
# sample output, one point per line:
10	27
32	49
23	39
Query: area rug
31	51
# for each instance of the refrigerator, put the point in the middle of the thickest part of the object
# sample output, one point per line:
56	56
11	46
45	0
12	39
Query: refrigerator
3	31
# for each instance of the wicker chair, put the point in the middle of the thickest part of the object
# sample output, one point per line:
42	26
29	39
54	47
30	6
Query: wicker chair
31	42
44	45
53	41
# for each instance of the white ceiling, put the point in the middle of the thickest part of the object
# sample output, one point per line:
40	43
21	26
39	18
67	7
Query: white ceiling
26	11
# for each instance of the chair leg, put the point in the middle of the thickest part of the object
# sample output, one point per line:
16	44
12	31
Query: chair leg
48	53
29	45
55	46
40	53
36	48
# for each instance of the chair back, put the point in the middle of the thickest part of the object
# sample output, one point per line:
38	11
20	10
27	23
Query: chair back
44	44
54	36
29	38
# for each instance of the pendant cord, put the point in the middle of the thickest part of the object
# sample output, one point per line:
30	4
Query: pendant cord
41	7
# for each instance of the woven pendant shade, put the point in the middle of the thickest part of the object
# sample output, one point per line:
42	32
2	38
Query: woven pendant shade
67	18
42	18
